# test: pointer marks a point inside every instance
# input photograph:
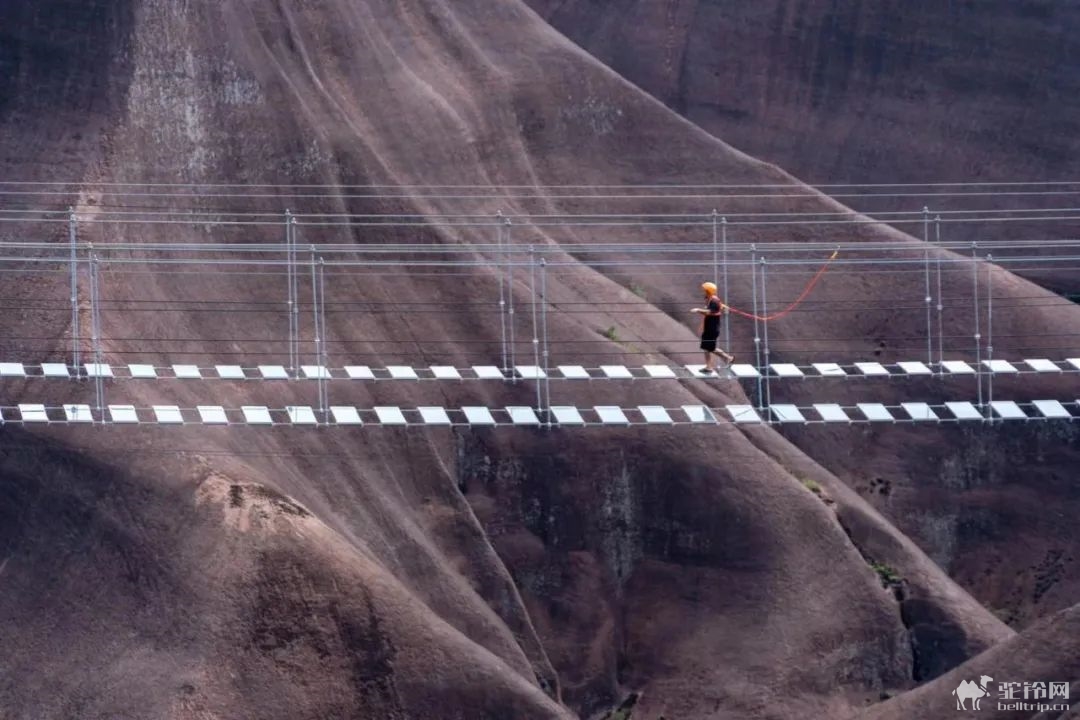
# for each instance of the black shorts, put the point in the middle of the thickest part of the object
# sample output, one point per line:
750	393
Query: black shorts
708	344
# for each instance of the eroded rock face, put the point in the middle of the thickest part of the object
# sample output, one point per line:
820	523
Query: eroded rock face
937	644
992	506
1040	651
615	557
894	92
396	573
918	92
848	92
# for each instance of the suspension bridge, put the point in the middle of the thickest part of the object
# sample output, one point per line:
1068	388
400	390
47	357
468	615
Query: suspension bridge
298	280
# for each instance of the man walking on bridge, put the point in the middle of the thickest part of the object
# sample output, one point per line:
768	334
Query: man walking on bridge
710	328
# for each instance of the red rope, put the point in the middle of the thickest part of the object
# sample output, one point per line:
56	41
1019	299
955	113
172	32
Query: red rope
802	296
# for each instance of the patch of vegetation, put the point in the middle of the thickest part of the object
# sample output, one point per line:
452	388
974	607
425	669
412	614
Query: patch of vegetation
815	487
273	497
625	709
887	574
611	334
881	486
281	502
638	290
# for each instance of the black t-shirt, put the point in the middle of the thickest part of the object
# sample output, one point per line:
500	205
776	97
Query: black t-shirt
712	322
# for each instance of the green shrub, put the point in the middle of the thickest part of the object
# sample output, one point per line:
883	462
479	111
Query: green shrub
888	575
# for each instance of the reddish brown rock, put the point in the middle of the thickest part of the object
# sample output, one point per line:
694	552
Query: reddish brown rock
293	573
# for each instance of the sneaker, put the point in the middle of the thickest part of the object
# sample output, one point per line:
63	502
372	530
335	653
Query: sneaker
706	371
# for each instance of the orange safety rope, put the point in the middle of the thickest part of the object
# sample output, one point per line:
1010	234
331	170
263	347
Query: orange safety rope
802	296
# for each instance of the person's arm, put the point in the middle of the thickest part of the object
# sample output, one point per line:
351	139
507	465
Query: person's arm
709	310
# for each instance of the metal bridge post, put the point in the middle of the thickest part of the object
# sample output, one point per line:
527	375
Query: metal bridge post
324	359
715	249
291	302
316	337
500	253
978	334
73	234
510	291
940	298
926	248
95	325
727	311
765	328
296	297
757	334
536	328
990	336
544	330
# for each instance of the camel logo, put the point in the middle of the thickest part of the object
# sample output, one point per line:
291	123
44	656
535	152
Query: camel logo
970	691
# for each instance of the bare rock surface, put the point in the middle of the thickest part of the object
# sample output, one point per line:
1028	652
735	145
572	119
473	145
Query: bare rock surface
243	572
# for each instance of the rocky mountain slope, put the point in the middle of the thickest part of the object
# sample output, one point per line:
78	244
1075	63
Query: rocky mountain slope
913	93
1041	655
413	574
853	93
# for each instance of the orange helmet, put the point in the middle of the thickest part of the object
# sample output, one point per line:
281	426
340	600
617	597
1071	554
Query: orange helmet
709	288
